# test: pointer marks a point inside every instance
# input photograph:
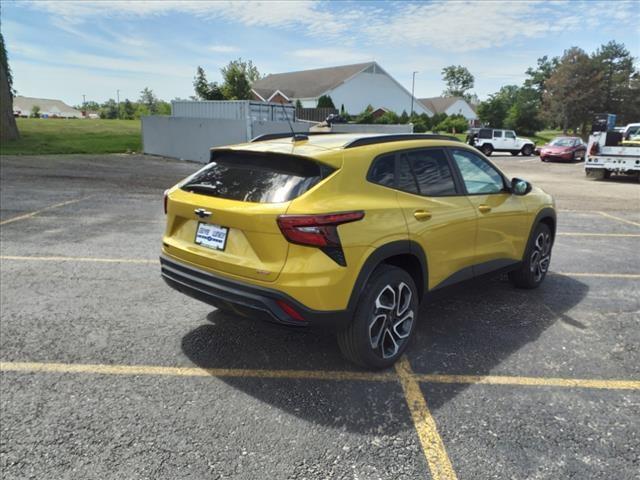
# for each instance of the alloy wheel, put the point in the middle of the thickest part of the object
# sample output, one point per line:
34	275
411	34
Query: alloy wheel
541	256
392	320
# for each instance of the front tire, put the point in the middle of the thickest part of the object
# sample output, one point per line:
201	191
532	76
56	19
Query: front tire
384	320
536	262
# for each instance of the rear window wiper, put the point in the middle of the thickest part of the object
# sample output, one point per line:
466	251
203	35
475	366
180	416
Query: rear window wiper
199	186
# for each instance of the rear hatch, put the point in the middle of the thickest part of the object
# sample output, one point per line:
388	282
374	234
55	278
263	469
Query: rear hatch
224	217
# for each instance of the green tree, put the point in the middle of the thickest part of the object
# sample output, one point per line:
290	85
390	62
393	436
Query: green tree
8	127
388	118
523	114
109	109
238	76
616	66
494	110
325	102
149	100
164	108
128	110
404	117
366	116
298	104
205	90
459	81
453	124
35	112
573	91
539	75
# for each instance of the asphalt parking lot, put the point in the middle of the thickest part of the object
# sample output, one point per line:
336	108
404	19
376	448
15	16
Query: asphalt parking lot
107	373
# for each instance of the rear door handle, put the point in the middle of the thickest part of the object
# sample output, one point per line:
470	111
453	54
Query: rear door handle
422	215
484	208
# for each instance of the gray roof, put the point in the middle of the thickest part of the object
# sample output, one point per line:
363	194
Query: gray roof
47	105
307	83
440	104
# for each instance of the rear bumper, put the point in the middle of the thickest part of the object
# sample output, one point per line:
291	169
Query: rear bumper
248	300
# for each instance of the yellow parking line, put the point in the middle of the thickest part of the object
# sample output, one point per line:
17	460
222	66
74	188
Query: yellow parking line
598	275
530	381
50	207
576	234
103	369
608	215
78	259
432	445
155	262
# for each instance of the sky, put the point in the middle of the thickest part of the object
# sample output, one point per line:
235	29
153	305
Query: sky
64	49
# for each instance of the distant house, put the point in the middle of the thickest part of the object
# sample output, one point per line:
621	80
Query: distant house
451	106
354	86
22	107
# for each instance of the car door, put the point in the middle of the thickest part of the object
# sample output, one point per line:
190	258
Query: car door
510	140
498	140
502	217
580	148
439	217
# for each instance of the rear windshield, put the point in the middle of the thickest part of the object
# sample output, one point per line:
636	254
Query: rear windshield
257	177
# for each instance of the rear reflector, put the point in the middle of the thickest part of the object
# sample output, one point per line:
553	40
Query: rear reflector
289	310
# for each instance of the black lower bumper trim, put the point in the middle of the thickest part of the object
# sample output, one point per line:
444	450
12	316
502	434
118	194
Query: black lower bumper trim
249	300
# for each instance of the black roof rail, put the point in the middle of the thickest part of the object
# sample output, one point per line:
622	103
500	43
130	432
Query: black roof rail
360	142
274	136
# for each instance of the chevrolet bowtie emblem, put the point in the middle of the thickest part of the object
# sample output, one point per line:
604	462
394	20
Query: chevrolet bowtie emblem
202	213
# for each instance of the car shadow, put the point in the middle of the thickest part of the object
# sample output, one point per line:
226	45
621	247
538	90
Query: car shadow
470	329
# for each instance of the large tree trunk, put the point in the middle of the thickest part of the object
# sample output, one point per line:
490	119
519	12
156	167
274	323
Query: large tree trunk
8	127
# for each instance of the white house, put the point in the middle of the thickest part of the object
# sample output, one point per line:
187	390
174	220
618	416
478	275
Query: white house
451	106
354	86
22	107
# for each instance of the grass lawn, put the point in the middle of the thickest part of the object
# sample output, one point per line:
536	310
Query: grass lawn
46	136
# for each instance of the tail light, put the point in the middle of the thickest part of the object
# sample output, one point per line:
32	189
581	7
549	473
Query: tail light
595	147
318	231
165	200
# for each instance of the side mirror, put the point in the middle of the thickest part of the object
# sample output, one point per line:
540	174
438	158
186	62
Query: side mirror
520	187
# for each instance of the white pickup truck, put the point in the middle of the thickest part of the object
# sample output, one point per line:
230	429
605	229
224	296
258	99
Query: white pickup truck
489	140
614	152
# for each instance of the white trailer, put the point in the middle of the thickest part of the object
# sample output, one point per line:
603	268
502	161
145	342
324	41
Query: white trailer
614	152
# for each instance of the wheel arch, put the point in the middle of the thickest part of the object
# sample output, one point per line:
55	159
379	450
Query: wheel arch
547	216
404	254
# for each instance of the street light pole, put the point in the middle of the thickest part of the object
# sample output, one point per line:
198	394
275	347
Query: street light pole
413	84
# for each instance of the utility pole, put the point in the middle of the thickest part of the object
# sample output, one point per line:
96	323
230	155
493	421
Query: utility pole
118	97
413	84
84	105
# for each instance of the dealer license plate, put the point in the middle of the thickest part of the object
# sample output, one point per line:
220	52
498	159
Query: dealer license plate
211	236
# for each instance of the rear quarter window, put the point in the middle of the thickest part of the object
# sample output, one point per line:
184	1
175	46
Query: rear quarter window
257	177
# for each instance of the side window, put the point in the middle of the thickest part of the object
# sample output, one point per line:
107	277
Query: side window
497	134
407	181
432	172
484	133
478	175
510	135
383	171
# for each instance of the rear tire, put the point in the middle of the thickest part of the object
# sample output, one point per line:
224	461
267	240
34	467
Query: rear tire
536	261
527	150
384	320
487	149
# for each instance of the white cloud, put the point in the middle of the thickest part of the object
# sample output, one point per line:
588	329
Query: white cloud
331	56
454	26
222	48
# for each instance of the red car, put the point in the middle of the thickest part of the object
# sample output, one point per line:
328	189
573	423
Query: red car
564	148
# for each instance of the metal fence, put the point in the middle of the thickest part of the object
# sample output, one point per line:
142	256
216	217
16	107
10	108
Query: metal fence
315	114
233	110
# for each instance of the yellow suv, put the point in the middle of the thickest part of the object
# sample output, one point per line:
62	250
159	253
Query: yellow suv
349	232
